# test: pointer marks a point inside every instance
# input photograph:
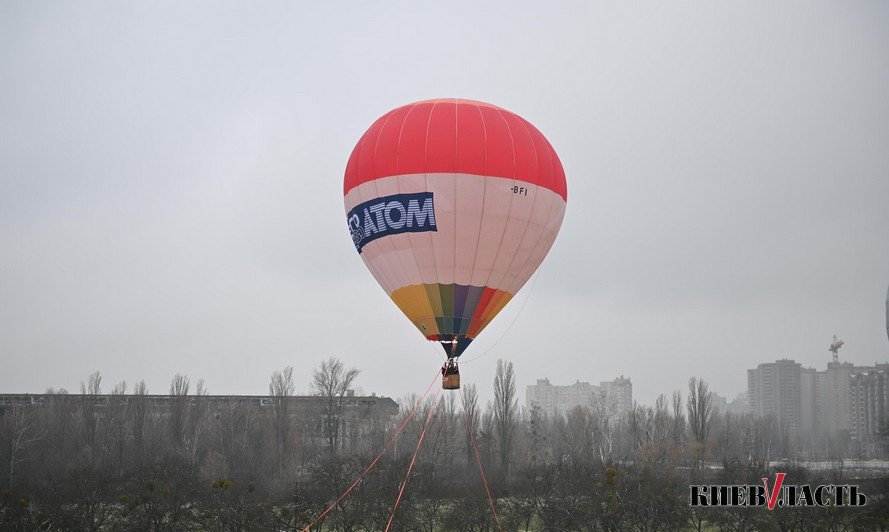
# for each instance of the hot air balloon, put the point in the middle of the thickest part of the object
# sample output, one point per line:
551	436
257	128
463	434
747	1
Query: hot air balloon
453	204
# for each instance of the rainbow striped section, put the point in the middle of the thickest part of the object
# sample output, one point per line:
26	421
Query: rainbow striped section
442	311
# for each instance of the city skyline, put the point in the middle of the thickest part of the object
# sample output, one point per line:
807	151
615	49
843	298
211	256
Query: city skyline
302	386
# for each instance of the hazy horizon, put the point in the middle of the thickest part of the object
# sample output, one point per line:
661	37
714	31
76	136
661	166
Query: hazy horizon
171	188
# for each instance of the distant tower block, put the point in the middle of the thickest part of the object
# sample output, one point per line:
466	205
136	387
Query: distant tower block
835	348
887	313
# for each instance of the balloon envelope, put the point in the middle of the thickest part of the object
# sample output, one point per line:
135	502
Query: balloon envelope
453	204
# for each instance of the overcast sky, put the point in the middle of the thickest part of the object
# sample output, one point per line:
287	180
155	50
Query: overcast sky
171	187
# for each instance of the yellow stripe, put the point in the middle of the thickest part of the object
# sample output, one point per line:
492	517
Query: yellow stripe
413	300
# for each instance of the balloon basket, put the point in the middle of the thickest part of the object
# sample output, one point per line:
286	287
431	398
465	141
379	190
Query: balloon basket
451	382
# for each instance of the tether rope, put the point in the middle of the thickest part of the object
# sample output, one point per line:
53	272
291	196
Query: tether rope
407	476
375	460
519	313
481	470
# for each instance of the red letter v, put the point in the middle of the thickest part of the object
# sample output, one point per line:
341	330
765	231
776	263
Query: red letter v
776	489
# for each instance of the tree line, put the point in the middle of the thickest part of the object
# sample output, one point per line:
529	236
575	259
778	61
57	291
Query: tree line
126	460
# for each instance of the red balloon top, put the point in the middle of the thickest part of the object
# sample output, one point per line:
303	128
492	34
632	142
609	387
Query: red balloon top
455	136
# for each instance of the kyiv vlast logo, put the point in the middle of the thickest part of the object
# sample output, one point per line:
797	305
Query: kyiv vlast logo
391	215
778	495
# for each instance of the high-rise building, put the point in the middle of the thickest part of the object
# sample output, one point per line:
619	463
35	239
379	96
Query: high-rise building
869	405
829	408
811	388
620	390
773	389
737	406
835	398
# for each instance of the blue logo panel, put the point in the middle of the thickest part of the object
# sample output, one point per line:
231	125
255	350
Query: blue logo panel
391	215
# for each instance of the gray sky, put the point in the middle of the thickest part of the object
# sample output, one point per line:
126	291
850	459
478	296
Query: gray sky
171	187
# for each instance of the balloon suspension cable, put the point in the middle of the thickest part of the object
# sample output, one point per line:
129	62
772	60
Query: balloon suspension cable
519	313
410	467
481	469
437	350
367	470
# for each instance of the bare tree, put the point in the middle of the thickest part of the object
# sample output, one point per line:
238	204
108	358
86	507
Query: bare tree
486	435
90	392
729	438
650	430
178	402
93	385
60	411
331	381
281	387
661	420
538	436
605	425
700	415
22	432
678	430
445	432
470	412
115	416
235	426
179	385
505	412
139	409
195	423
